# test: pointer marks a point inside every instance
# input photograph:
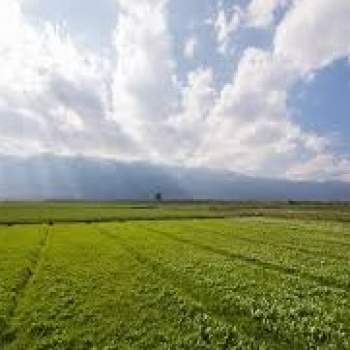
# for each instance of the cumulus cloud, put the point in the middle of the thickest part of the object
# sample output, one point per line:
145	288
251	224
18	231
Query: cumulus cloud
144	81
252	115
59	97
261	13
250	124
226	23
190	47
324	166
191	123
52	92
314	33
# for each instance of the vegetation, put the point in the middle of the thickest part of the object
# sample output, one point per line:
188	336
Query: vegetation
233	283
51	212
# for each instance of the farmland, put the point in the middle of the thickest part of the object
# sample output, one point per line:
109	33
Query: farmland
135	276
67	212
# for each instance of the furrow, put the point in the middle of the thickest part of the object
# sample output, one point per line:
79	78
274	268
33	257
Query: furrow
8	335
326	282
184	287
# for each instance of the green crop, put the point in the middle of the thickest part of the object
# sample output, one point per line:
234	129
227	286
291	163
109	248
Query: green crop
19	250
67	212
248	283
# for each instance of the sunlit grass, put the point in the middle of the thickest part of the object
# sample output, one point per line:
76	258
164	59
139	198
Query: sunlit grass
191	284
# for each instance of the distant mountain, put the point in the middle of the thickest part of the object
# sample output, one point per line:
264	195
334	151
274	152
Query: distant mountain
49	177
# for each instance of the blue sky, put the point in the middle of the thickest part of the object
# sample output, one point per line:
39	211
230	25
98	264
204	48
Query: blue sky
324	103
259	87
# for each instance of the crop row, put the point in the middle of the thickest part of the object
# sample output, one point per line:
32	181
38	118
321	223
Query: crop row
212	284
289	307
19	249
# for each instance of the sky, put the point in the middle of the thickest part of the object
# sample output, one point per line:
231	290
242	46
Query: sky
257	87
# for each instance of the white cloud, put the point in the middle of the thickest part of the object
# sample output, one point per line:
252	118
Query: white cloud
228	21
52	92
191	123
314	33
324	166
190	47
10	22
199	94
59	97
249	124
225	25
145	87
261	13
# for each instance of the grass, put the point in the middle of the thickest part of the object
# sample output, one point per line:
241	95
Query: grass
232	283
66	212
19	250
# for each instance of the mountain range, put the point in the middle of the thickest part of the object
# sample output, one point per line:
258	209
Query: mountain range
79	178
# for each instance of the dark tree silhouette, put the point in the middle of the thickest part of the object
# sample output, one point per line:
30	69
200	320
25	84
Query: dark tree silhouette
158	197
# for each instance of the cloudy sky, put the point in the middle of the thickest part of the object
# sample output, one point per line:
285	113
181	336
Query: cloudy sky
259	87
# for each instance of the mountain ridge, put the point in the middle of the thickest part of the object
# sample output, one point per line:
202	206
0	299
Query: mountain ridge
81	178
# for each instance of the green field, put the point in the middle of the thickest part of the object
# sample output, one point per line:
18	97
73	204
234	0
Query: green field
255	277
67	212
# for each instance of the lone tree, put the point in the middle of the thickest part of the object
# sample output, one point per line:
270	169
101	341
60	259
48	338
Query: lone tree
158	197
